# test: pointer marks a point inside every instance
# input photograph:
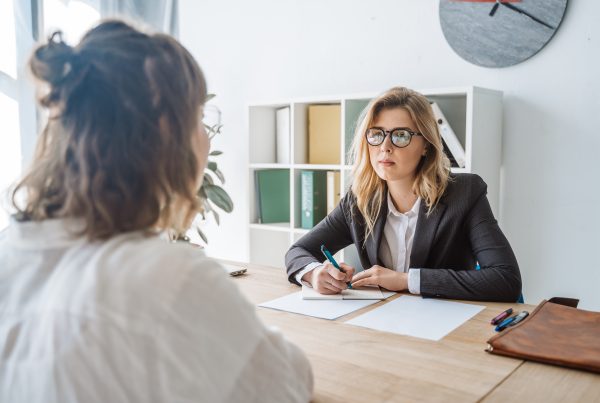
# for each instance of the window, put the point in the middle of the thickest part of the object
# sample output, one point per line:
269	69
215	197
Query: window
17	110
8	40
10	136
72	17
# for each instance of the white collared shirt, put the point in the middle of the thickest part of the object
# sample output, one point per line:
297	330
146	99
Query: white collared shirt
132	319
396	245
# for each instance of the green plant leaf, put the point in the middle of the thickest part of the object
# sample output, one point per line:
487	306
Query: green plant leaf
220	175
208	179
212	166
216	215
219	197
210	96
215	153
199	231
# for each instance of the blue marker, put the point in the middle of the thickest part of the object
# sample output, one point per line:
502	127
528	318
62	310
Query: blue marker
504	324
513	320
335	264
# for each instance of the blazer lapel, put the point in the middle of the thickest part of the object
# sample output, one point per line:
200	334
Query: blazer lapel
374	240
425	234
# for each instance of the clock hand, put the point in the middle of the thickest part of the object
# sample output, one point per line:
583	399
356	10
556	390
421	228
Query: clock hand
520	11
493	11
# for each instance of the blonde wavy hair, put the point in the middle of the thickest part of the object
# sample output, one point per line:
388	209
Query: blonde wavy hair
433	171
118	149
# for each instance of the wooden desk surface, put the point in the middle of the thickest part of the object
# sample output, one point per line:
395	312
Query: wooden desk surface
355	364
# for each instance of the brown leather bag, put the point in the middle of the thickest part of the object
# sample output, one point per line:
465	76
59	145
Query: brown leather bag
553	334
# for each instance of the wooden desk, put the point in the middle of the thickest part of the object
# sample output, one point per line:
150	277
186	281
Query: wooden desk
355	364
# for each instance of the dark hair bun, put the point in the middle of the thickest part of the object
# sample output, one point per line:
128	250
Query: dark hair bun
52	62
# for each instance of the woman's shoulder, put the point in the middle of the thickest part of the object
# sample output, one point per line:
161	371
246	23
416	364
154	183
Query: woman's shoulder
465	185
152	268
158	255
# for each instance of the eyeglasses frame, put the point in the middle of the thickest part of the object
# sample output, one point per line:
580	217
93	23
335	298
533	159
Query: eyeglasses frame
389	132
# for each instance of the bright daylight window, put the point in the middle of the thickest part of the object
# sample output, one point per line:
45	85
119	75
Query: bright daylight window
10	136
74	18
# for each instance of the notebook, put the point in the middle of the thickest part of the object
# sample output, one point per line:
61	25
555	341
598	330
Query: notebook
354	293
326	309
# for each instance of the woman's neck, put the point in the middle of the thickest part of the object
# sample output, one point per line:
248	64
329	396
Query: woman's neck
401	192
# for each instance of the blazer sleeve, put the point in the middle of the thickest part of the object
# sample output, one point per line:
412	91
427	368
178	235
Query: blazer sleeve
498	279
333	231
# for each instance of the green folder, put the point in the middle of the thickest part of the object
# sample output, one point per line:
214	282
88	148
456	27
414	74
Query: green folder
273	195
313	185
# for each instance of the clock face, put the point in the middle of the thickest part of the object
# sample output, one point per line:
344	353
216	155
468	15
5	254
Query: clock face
499	33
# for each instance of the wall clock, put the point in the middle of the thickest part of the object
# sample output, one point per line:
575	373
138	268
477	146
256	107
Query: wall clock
499	33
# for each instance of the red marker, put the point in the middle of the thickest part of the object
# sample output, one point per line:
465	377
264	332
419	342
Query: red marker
501	316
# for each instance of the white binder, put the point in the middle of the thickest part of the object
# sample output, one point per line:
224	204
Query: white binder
457	150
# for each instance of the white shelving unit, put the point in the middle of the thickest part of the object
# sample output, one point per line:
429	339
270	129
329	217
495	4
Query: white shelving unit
474	113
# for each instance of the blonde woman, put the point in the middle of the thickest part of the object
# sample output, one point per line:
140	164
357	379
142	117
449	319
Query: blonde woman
416	226
94	305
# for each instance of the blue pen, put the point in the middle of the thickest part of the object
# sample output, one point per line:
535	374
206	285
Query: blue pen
513	320
505	323
335	264
519	318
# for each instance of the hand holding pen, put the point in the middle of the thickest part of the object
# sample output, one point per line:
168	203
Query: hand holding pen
332	277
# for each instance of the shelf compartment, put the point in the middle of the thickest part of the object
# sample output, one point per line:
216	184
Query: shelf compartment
262	125
300	135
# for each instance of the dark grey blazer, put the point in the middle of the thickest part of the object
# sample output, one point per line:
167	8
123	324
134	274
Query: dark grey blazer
448	243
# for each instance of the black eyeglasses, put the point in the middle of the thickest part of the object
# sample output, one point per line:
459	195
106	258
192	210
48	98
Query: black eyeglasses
401	136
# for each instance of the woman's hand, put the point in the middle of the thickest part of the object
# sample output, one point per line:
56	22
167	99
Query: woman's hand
327	279
386	278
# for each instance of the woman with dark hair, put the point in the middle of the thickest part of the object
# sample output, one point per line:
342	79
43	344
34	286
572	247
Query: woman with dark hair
95	305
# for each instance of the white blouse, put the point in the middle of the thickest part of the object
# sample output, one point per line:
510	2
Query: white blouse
396	246
132	319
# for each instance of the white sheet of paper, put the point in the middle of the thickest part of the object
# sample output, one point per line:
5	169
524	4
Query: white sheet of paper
362	293
387	294
415	316
325	309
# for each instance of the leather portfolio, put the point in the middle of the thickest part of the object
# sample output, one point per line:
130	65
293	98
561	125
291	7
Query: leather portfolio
553	334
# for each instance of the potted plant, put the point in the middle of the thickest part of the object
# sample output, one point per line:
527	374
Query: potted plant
211	195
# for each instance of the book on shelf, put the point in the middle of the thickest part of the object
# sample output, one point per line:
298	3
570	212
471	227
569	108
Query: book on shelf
282	126
452	145
313	196
333	190
324	134
273	195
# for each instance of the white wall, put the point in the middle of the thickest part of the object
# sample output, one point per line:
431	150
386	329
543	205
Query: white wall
263	50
